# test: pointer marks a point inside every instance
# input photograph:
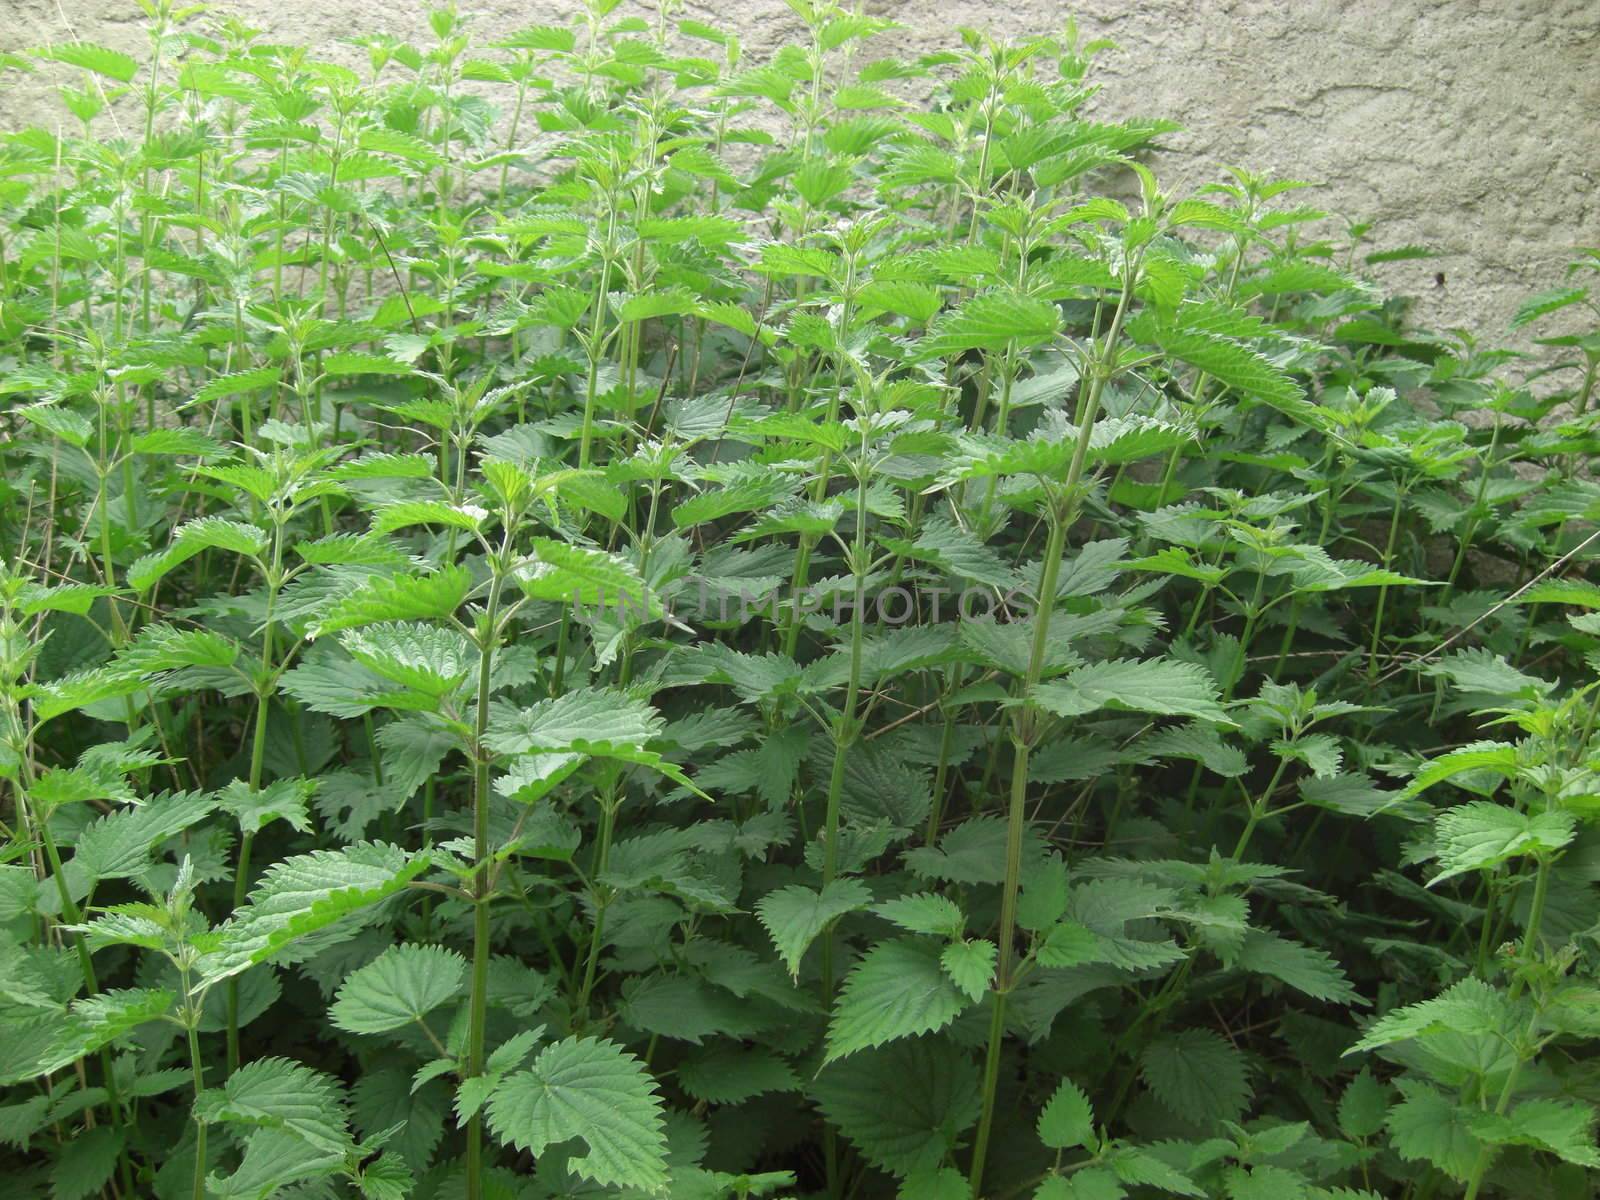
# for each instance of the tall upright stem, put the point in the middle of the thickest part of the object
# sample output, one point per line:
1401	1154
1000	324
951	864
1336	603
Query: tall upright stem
1383	589
1022	733
479	1012
845	731
258	751
1063	512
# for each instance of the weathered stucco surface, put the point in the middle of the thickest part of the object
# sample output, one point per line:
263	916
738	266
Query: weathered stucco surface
1469	126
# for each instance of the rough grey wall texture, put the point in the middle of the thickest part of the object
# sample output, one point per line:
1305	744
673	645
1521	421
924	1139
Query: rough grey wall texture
1469	126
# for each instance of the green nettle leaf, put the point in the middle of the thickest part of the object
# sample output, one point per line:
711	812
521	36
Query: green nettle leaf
406	513
1165	688
88	1168
281	800
970	965
1230	362
795	916
119	844
1496	757
161	647
1469	1007
304	894
273	1159
397	598
924	912
594	1091
111	63
1198	1075
724	1075
425	658
904	1106
1428	1126
97	1021
1481	835
589	721
580	575
1304	968
899	989
1068	1119
991	321
401	985
275	1093
1363	1106
207	533
1564	1128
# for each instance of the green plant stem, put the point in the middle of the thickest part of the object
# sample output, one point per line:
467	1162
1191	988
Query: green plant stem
1016	823
70	910
478	1012
1258	810
1541	889
1477	507
1383	589
846	728
1023	730
941	775
602	860
198	1078
258	750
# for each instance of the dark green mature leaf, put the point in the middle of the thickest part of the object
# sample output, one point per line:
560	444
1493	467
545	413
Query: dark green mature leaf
402	985
1197	1075
796	915
592	1090
899	989
904	1106
1163	687
304	894
275	1093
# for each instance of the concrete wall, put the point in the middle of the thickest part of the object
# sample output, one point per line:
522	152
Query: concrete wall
1470	126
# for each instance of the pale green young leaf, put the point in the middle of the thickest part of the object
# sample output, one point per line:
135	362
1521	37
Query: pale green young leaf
113	64
969	963
594	721
1481	835
431	659
924	912
1496	757
1469	1007
397	598
283	800
1067	1119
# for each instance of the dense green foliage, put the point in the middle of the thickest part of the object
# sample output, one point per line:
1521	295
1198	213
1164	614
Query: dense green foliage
587	617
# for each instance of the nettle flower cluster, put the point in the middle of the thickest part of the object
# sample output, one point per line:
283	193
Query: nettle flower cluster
582	615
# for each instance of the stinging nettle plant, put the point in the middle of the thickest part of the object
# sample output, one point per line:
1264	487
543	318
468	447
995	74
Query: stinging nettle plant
583	615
